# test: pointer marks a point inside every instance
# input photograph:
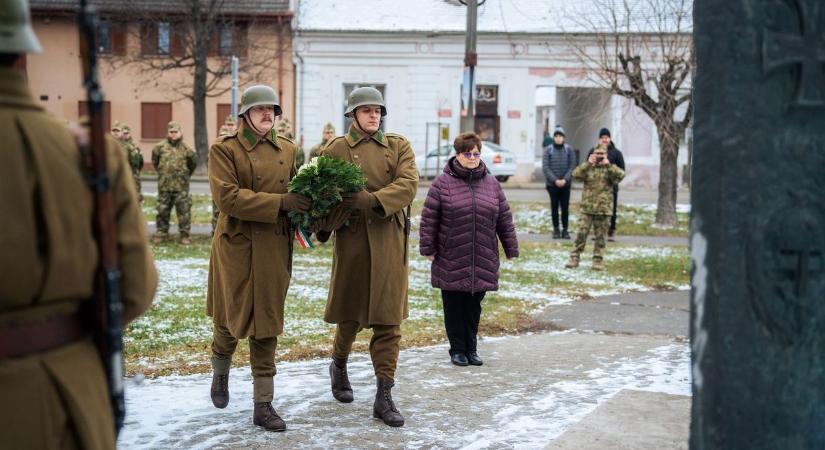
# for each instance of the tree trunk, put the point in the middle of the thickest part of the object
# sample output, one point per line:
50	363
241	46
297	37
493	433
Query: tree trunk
199	106
668	176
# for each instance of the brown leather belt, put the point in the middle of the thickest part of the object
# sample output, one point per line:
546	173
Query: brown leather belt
23	339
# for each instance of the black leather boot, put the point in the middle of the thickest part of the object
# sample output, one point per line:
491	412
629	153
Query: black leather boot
384	408
556	233
341	389
220	382
265	416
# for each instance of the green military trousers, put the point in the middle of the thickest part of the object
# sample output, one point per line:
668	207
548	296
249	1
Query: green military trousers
384	346
182	202
599	223
261	358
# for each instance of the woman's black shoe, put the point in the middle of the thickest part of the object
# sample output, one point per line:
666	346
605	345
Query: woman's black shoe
473	359
556	233
459	359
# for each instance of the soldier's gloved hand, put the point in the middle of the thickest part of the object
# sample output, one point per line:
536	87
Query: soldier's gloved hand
359	200
336	218
295	202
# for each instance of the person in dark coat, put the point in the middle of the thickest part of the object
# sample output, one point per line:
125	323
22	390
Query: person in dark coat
464	216
558	162
615	157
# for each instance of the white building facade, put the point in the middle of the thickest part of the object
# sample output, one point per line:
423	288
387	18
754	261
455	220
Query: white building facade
527	80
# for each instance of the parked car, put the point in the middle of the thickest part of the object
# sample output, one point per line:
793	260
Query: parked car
500	162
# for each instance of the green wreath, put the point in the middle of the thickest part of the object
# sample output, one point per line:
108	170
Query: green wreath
323	180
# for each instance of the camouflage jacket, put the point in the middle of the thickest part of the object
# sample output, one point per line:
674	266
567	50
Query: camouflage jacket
134	156
175	163
599	180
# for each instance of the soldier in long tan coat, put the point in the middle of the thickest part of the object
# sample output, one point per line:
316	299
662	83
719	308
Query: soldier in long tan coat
251	262
52	383
370	266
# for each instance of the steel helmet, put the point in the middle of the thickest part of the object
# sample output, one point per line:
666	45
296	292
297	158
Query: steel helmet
16	33
364	96
259	95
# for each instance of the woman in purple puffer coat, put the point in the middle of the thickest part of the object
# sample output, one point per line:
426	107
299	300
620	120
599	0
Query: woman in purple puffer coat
464	217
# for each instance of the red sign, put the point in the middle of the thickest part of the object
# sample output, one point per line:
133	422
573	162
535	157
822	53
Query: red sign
447	112
513	114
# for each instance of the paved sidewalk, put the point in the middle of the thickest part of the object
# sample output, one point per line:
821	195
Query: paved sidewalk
531	390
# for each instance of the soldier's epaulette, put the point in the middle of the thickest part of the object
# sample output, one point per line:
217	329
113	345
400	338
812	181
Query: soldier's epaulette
396	136
336	138
291	141
225	136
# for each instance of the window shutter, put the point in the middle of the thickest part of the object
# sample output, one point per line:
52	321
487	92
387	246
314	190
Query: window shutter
119	39
148	39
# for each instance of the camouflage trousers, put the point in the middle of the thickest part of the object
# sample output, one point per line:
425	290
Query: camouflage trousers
137	187
261	359
182	202
384	346
599	224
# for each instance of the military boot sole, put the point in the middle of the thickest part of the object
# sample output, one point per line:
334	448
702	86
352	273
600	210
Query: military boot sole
276	427
392	423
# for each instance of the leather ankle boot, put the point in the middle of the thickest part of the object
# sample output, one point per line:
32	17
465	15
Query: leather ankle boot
341	389
265	416
220	382
384	408
556	233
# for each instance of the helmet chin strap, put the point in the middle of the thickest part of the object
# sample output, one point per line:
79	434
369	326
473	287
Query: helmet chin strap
254	128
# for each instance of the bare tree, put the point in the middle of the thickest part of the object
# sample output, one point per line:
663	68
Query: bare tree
198	38
642	50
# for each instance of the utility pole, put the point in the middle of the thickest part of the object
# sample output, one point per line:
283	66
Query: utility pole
234	104
470	61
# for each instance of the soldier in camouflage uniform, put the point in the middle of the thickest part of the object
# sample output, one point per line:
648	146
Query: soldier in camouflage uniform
228	126
226	129
116	130
134	156
328	134
599	177
175	162
284	128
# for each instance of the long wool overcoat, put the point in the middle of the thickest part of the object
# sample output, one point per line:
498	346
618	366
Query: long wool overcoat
251	261
369	266
58	398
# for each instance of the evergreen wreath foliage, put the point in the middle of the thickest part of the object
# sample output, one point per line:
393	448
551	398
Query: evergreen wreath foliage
323	180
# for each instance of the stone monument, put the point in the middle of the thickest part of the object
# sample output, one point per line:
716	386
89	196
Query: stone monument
758	225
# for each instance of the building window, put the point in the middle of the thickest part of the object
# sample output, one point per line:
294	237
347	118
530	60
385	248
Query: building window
348	88
163	38
154	117
111	38
224	109
156	39
83	110
229	39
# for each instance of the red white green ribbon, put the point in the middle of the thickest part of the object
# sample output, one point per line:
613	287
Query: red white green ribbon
303	238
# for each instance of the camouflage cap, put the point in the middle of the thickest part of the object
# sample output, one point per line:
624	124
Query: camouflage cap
125	129
229	120
117	126
600	149
173	126
16	33
365	96
329	127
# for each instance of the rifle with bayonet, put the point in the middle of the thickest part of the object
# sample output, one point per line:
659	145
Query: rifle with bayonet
107	304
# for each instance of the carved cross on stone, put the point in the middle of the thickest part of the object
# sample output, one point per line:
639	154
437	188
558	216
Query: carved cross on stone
799	265
806	50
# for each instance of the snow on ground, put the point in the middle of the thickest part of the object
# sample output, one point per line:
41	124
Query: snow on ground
446	407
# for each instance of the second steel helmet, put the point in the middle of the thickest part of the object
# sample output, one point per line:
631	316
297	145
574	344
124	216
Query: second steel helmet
16	33
364	96
259	95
